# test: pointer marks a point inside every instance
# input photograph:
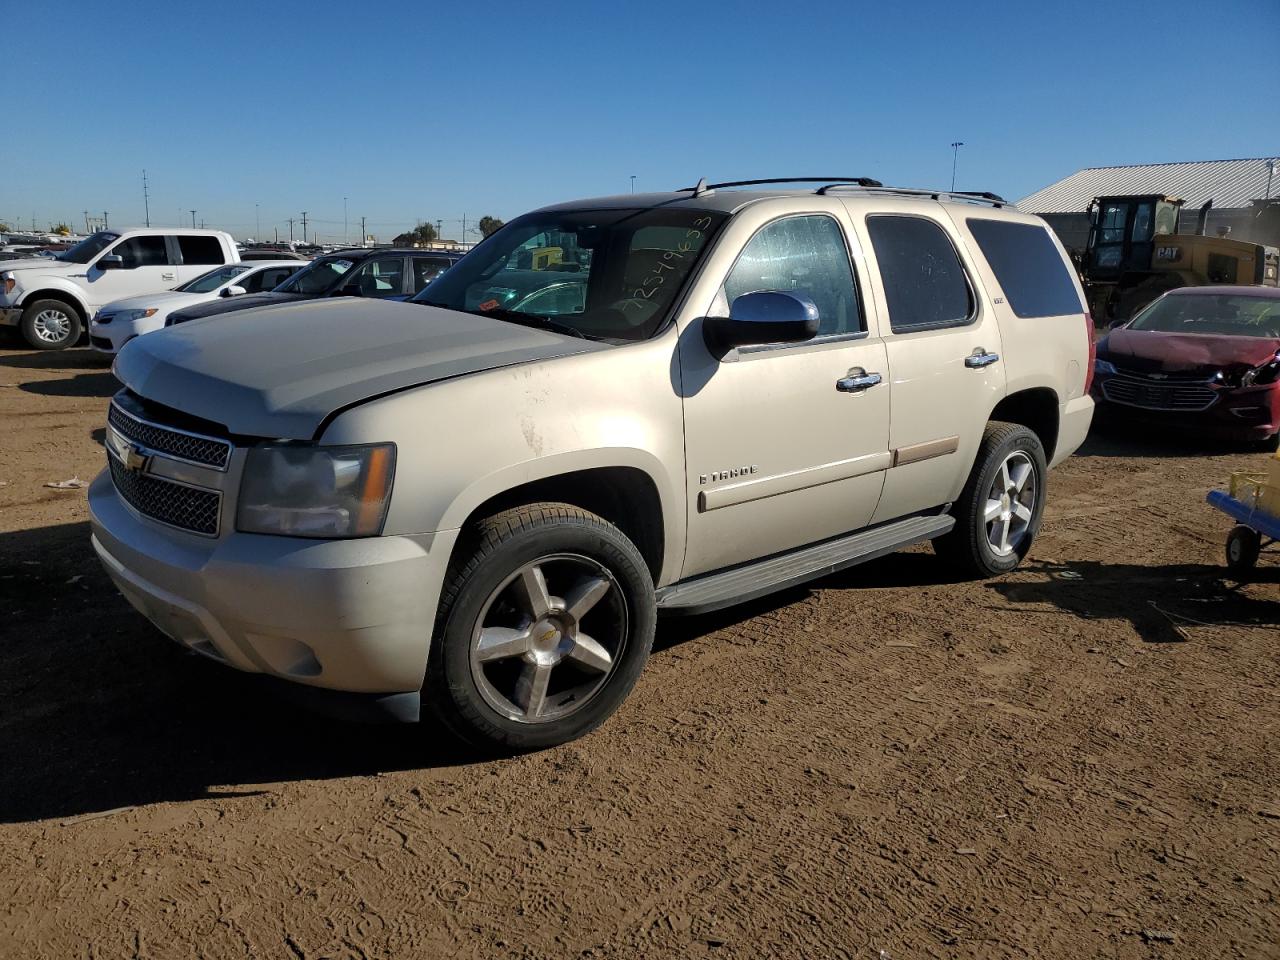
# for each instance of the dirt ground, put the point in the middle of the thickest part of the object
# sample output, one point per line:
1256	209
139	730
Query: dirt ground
1077	760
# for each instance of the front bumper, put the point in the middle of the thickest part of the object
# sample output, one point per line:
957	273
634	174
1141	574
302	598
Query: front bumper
343	615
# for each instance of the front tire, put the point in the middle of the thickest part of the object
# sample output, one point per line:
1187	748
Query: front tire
546	620
1002	504
50	325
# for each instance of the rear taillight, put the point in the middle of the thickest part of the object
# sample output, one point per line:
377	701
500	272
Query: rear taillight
1093	352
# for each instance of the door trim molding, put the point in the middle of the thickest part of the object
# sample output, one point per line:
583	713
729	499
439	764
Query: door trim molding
915	452
762	487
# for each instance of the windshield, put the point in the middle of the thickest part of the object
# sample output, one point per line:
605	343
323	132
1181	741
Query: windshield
321	276
1221	315
606	274
89	247
208	282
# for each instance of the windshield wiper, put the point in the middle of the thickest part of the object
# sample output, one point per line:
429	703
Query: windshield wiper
531	320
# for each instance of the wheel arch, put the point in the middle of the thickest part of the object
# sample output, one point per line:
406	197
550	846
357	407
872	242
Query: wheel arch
1035	408
626	496
57	293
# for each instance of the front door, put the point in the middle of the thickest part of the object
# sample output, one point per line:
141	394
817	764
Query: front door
779	453
146	269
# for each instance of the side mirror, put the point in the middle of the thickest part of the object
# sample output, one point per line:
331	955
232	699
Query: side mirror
235	290
766	316
112	261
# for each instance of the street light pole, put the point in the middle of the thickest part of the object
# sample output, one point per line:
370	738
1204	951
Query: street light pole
346	236
193	219
955	155
257	224
633	183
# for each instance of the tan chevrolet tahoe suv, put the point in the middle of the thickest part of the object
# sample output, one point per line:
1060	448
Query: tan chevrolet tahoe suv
479	501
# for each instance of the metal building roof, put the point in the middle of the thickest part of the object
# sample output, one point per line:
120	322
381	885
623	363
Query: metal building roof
1228	183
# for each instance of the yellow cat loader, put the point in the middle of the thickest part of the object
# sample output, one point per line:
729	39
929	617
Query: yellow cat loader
1135	254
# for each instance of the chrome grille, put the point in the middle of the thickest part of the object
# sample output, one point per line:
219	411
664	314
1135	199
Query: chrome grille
1158	396
173	503
191	447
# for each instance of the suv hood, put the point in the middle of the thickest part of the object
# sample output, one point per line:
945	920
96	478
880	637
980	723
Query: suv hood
1152	350
280	371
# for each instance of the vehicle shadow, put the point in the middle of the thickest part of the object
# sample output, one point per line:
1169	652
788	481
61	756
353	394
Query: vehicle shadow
96	380
101	711
1161	602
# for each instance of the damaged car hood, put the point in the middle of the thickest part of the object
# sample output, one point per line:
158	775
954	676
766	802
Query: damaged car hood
279	372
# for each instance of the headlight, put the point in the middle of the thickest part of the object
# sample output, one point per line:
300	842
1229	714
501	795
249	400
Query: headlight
304	490
1104	366
9	283
125	316
1262	374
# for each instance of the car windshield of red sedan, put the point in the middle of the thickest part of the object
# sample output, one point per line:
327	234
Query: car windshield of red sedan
1215	315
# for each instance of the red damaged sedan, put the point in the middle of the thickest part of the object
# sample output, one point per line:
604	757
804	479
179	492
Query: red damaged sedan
1203	359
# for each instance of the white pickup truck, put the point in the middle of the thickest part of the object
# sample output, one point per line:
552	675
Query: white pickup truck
52	298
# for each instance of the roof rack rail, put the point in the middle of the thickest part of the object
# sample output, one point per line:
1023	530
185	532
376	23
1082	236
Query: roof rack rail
703	186
965	196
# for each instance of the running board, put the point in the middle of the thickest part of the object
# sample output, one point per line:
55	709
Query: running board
716	590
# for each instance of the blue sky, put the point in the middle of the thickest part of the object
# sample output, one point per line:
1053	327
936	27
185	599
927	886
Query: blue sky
439	110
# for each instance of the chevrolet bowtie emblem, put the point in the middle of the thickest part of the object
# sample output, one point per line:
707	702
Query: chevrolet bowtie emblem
134	458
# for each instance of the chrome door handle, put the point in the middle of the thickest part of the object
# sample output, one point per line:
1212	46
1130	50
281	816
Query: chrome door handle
980	358
857	381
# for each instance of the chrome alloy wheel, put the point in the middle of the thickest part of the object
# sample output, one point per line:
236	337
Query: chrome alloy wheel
52	326
548	638
1011	503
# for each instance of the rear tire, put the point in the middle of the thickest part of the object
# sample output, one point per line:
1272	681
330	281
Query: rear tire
50	325
546	620
1243	546
1000	509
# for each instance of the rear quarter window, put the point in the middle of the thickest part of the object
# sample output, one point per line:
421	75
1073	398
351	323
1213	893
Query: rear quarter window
1028	267
200	249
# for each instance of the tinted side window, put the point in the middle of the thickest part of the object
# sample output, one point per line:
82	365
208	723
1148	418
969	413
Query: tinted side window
143	252
380	278
805	255
200	250
924	282
1035	280
424	271
271	278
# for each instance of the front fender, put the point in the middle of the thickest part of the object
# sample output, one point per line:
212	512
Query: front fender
462	442
31	289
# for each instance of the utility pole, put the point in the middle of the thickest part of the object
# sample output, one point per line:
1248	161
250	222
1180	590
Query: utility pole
277	229
439	230
304	227
346	234
86	222
146	198
291	231
193	219
363	236
257	224
955	155
105	224
464	228
633	183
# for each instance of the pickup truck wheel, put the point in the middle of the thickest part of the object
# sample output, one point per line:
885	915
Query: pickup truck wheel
50	325
999	510
547	619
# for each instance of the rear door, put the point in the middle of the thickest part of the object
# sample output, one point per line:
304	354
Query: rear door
944	351
197	252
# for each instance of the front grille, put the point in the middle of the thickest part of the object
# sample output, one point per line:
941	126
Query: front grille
171	503
185	446
1159	396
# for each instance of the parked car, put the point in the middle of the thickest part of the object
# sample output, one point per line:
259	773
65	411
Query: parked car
51	299
261	253
479	510
378	274
1205	360
119	322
